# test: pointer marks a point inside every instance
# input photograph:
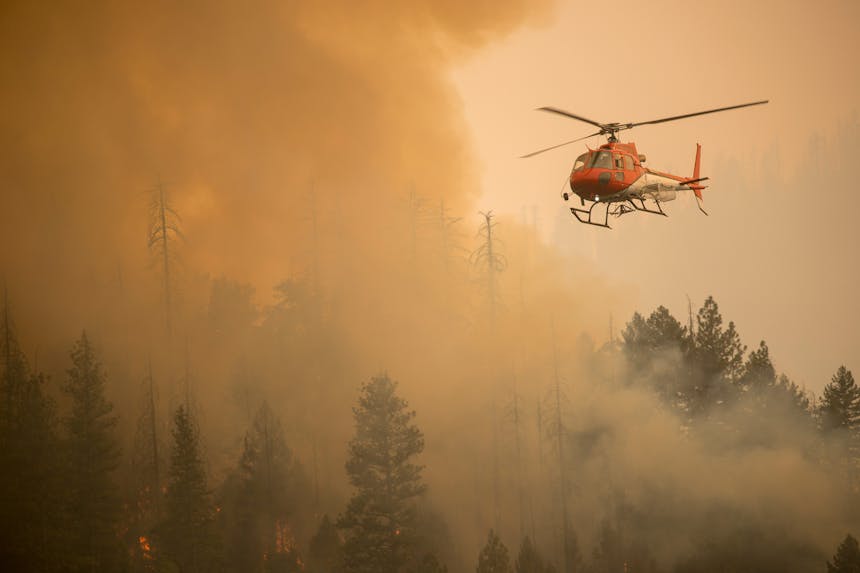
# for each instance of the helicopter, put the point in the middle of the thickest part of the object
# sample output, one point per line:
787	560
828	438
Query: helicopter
614	177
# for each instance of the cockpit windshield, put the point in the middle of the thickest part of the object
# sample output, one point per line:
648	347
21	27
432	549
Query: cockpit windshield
580	162
601	160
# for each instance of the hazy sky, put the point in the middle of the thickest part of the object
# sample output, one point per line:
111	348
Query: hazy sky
778	251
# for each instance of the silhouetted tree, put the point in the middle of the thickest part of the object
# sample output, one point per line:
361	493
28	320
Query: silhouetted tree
839	415
326	549
493	558
92	455
29	479
847	557
187	536
261	496
717	356
840	405
758	371
163	233
379	520
655	349
489	262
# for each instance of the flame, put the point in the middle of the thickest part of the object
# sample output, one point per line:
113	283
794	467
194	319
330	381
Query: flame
145	547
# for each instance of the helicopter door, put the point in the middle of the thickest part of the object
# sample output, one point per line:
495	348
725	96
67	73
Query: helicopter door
618	166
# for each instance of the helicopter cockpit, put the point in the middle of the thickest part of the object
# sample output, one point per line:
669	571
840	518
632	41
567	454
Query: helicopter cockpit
602	160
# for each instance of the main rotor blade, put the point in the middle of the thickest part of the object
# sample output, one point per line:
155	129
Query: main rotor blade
570	115
695	114
559	145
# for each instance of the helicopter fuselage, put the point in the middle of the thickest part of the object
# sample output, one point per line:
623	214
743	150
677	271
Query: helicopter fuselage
614	172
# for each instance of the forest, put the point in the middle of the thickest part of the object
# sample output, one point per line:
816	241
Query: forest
259	438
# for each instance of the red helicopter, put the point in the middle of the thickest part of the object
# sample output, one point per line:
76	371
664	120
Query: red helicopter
613	174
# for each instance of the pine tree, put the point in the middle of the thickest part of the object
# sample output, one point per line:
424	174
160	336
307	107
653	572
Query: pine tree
186	538
494	558
840	405
660	331
379	520
839	414
847	557
262	495
92	455
648	342
29	485
717	356
758	371
325	549
718	351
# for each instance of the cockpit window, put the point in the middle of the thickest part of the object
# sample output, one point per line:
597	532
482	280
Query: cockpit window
580	162
602	160
628	163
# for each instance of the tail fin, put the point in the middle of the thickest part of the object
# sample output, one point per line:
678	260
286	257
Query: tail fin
697	189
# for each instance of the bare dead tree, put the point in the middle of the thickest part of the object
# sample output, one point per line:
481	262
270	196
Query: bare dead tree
164	231
489	262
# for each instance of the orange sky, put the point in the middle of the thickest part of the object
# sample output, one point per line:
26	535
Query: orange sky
778	249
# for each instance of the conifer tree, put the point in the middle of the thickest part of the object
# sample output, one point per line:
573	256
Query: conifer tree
717	357
380	518
839	415
847	557
186	537
840	405
758	371
262	495
718	350
646	343
92	455
29	485
493	558
325	554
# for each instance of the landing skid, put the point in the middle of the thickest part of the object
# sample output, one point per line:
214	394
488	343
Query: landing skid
641	207
587	214
630	205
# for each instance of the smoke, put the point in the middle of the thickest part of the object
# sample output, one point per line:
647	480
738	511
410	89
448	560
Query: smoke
320	147
244	111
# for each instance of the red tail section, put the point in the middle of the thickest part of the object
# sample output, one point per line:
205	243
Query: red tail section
697	189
